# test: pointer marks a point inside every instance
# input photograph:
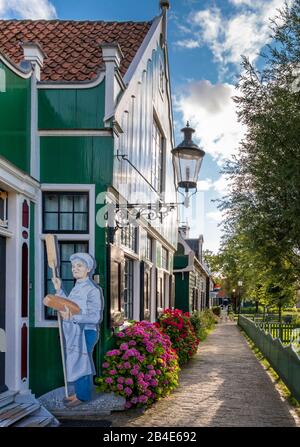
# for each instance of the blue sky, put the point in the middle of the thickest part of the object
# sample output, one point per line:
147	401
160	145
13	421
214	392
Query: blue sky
206	40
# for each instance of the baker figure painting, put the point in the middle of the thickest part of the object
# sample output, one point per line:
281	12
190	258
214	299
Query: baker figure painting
81	331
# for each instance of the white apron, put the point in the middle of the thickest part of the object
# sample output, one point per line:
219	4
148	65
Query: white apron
78	360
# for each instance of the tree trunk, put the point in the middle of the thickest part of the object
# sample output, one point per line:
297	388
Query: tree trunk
280	321
279	313
256	307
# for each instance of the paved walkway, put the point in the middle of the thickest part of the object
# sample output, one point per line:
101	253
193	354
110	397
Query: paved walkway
224	385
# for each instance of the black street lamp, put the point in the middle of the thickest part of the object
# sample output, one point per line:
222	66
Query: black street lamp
187	160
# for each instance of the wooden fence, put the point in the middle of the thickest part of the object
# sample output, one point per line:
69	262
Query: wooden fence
283	359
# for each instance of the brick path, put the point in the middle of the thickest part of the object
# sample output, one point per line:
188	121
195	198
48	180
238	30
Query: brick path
224	385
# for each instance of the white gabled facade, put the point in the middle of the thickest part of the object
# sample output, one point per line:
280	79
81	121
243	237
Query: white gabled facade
143	131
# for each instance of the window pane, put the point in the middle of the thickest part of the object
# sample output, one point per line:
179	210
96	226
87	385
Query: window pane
81	248
66	221
128	291
66	251
67	286
66	203
50	287
51	202
80	222
81	203
51	221
66	270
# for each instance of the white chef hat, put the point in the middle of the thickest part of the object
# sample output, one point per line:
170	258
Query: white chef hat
86	258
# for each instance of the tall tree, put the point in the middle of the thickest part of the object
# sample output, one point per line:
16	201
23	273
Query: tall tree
263	207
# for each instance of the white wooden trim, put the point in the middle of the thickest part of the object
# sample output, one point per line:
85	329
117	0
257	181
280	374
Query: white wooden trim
34	139
153	283
17	70
140	53
13	294
17	180
6	233
67	187
75	133
72	85
136	290
89	237
139	64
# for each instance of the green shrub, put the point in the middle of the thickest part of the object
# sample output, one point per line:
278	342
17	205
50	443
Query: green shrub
296	319
217	310
203	322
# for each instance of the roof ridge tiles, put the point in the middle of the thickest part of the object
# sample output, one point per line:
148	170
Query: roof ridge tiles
74	41
76	21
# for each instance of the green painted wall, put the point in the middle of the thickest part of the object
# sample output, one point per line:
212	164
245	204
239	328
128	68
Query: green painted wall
72	160
180	261
45	365
15	118
181	283
71	108
182	291
77	160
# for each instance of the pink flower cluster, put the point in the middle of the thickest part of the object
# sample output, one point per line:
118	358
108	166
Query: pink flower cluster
143	368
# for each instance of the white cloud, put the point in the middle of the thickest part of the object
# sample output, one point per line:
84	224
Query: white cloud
188	43
244	32
204	185
222	185
243	2
216	216
27	9
212	112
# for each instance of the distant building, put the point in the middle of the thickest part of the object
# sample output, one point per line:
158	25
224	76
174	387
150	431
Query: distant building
192	278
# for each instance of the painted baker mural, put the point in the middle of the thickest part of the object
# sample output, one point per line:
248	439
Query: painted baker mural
82	313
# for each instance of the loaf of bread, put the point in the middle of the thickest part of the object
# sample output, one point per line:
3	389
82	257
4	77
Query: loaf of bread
59	303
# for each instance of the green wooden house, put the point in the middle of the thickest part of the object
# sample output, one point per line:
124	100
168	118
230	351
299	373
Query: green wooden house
86	126
193	282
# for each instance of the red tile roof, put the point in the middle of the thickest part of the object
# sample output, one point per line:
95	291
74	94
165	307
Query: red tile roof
72	48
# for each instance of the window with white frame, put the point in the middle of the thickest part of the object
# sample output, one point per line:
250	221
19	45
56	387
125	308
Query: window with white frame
64	213
128	290
128	237
164	258
149	248
157	157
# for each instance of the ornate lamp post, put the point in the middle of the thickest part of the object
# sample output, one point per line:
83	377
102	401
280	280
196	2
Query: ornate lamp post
187	160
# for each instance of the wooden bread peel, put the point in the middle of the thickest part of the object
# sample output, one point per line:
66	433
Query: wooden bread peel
52	257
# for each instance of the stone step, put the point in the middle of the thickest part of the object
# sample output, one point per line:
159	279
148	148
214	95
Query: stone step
15	412
7	398
35	421
102	404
